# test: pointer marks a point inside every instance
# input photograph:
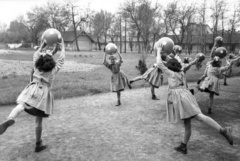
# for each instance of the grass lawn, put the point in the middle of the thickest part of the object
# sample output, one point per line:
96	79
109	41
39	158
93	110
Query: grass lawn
73	84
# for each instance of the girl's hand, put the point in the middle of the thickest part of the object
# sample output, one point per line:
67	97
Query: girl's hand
61	43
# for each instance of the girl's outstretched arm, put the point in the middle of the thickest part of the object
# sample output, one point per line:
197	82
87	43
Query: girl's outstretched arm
228	66
213	49
188	66
104	58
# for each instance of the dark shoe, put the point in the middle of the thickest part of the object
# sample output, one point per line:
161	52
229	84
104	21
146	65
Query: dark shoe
154	97
129	86
192	91
118	104
227	133
5	125
209	111
225	84
131	81
39	147
182	148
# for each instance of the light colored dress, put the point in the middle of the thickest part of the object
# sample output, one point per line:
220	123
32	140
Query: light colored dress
211	82
181	104
118	79
38	93
228	72
153	76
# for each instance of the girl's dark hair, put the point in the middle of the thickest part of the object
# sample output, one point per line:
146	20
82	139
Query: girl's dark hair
186	60
216	63
174	65
45	63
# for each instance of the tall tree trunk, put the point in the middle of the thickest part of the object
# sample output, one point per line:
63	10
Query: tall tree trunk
105	39
120	35
99	44
154	39
75	31
138	41
125	46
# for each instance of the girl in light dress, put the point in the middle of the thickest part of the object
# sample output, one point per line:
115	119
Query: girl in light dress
37	98
228	73
154	77
210	79
119	79
182	105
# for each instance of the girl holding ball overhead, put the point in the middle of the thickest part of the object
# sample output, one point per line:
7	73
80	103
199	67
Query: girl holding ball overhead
182	105
37	98
210	79
118	79
155	78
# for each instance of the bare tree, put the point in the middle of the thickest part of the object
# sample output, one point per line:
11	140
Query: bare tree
57	15
35	23
202	21
101	25
217	8
234	21
171	18
141	14
76	17
179	17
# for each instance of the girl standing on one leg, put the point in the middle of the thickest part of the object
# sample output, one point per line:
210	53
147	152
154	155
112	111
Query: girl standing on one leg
154	77
119	79
229	71
37	98
182	105
210	79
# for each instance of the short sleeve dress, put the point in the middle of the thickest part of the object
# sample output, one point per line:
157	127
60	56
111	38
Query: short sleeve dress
211	82
228	72
118	79
181	104
38	93
153	76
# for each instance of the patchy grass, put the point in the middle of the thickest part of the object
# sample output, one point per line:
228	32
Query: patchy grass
73	84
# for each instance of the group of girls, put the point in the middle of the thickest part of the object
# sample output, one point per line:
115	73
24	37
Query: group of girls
181	103
37	98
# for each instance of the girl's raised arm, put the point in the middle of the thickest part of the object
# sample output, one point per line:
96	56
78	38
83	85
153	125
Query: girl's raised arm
61	58
228	66
120	56
160	63
188	66
37	54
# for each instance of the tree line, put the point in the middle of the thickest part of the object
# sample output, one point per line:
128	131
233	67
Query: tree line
141	19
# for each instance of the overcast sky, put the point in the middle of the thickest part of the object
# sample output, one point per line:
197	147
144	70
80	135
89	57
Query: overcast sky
11	9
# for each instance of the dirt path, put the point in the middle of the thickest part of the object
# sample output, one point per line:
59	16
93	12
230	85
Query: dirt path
93	128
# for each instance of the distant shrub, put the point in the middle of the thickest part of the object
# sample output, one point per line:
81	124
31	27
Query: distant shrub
237	63
142	67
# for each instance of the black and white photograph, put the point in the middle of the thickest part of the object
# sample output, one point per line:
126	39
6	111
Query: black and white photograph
120	80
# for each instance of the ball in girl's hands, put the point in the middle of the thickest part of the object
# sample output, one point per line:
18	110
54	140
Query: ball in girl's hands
166	44
221	52
177	48
51	36
231	56
200	56
219	40
110	49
